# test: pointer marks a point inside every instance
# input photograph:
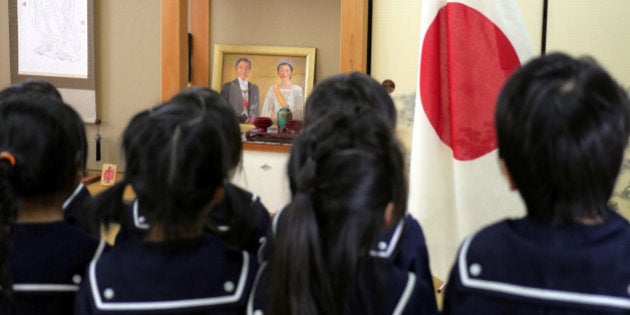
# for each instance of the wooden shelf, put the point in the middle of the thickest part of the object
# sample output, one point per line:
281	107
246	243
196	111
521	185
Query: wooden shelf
258	146
91	177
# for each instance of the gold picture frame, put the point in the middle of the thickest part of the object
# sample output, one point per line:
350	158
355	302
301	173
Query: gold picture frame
264	62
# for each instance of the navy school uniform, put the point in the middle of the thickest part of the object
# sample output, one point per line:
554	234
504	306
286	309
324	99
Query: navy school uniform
47	262
236	197
405	247
199	276
75	210
396	279
524	267
135	225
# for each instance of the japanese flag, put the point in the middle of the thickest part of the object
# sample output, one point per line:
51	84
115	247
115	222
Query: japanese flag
468	48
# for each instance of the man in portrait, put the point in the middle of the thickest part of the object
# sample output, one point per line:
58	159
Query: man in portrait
241	94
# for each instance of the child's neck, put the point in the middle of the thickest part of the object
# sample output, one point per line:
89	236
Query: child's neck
591	220
40	211
156	233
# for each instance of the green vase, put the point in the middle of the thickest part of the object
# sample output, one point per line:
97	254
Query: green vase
282	116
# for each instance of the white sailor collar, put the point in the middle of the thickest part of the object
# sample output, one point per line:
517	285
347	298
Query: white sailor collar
473	276
384	248
71	285
108	299
388	244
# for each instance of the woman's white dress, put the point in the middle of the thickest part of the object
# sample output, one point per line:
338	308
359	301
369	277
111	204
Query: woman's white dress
294	98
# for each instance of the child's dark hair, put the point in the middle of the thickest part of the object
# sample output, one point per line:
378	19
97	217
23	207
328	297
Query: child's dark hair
221	114
174	163
344	171
38	158
562	127
344	92
31	86
46	89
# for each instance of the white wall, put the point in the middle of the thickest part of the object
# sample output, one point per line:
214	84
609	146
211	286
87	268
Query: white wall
264	173
599	28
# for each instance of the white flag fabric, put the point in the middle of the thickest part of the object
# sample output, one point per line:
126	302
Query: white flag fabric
468	48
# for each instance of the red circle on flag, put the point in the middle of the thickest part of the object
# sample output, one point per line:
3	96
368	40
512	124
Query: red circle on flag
465	60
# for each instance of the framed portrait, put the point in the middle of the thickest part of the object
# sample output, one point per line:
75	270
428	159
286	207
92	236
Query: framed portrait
53	41
278	80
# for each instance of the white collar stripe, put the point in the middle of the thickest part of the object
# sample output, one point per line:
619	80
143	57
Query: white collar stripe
536	293
393	242
74	194
99	249
274	222
252	294
261	249
404	298
136	217
162	305
384	253
38	287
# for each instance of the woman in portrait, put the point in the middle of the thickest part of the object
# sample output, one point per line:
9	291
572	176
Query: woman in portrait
284	94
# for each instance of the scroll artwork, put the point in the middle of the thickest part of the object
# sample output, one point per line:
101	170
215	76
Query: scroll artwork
52	40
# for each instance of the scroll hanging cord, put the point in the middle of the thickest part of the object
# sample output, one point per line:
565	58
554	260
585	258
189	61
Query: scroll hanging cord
97	139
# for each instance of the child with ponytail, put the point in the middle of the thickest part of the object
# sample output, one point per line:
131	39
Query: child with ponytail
75	205
239	218
42	257
403	242
176	164
346	177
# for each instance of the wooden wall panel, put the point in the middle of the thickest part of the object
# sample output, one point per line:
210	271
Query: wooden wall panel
200	29
354	32
174	46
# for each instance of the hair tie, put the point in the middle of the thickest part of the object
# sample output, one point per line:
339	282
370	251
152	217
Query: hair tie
4	155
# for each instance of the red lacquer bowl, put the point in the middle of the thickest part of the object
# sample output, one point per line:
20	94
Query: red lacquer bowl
295	125
262	123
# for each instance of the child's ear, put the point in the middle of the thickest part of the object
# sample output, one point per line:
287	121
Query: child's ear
81	166
506	172
389	212
219	194
80	175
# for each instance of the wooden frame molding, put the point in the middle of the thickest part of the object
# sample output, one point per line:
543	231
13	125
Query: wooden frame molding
174	47
353	45
200	29
353	38
354	32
